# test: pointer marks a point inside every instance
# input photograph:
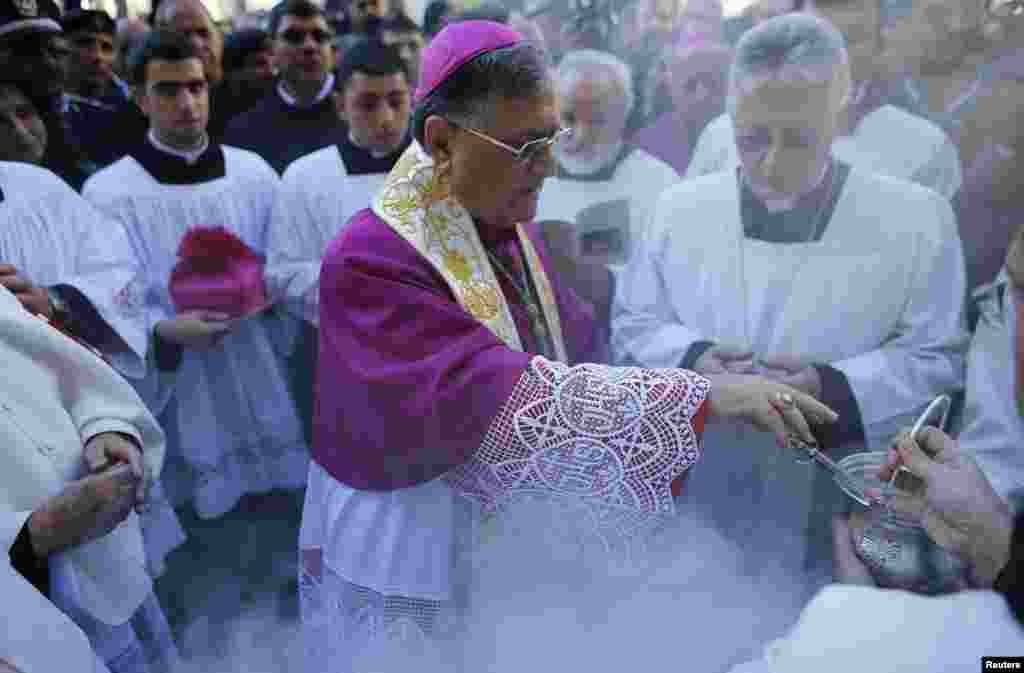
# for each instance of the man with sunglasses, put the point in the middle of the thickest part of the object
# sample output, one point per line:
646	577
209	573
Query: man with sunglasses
299	116
449	383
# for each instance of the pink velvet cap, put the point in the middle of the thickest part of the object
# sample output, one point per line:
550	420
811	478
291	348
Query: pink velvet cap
456	45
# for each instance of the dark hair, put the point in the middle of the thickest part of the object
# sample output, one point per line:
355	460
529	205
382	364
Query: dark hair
435	16
400	23
239	45
370	57
518	71
20	87
159	45
488	11
303	9
88	21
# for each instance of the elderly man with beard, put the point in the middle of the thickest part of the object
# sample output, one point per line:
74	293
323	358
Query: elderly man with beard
451	383
602	183
845	284
874	135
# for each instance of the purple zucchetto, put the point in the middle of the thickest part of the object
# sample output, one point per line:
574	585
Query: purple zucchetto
455	46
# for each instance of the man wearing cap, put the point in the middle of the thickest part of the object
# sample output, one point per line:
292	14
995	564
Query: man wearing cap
446	386
32	56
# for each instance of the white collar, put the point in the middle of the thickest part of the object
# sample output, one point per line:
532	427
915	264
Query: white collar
375	155
325	91
190	156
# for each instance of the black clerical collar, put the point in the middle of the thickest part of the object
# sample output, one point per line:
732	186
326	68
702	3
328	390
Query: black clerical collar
324	106
172	170
603	175
793	225
359	161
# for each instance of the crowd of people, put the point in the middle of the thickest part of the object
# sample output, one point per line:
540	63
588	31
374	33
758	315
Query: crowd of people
307	310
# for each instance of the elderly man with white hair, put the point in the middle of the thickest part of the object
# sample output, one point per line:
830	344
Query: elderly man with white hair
843	283
872	135
602	184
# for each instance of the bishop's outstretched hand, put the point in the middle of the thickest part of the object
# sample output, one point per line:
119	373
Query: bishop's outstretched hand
768	405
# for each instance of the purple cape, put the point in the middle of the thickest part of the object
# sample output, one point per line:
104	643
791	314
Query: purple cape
408	382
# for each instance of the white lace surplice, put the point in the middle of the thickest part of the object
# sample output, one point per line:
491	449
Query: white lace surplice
234	421
388	566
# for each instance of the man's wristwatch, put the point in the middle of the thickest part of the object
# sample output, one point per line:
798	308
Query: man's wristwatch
59	311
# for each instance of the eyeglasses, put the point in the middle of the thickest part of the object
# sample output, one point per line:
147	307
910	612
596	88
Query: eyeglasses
295	36
531	151
1005	9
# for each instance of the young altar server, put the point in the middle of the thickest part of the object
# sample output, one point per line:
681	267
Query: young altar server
446	387
218	384
842	283
323	190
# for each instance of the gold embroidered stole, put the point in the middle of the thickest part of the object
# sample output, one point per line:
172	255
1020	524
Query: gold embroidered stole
417	205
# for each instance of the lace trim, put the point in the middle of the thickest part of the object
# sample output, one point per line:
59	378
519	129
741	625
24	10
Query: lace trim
347	626
605	441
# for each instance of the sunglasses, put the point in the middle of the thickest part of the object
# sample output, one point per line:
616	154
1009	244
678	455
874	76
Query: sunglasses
295	37
530	152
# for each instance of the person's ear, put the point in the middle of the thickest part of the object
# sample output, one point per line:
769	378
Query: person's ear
339	105
438	134
141	99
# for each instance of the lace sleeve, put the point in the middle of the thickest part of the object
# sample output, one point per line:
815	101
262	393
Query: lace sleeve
614	438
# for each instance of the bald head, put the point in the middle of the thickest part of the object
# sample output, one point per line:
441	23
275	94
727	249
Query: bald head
130	33
192	19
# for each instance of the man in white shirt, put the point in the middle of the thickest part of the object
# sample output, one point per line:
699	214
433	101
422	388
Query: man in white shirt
79	449
843	283
873	136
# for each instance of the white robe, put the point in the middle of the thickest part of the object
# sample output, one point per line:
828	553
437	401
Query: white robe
640	179
992	428
229	414
317	199
57	396
55	237
854	629
36	637
888	140
878	298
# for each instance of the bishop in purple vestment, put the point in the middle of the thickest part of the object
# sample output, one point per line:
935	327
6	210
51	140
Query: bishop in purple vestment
449	384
